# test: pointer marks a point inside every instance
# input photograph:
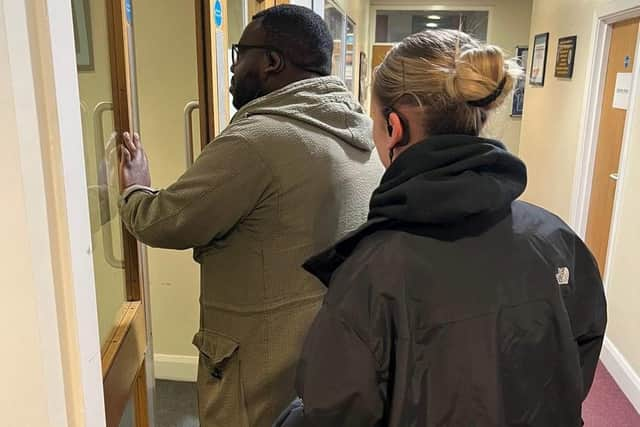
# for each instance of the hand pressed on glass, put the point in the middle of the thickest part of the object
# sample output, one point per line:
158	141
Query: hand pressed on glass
134	165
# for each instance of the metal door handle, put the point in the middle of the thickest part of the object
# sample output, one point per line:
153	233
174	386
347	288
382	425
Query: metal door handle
107	235
614	176
188	131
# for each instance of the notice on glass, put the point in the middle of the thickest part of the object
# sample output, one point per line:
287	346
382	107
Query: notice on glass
622	94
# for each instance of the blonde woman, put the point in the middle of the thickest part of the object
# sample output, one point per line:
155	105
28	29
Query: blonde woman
455	304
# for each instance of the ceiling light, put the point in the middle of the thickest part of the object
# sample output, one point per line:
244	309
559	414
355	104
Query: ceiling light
432	25
434	17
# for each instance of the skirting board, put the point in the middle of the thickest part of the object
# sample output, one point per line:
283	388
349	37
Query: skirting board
175	367
624	375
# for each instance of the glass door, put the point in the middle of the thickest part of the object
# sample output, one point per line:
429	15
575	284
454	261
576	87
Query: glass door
103	31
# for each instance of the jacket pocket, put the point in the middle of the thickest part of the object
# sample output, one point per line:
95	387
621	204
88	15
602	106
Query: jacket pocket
221	398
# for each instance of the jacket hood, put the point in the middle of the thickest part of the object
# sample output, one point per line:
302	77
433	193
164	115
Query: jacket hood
323	102
446	187
448	178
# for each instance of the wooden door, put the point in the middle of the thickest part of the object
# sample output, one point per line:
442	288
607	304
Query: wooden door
104	39
378	54
621	59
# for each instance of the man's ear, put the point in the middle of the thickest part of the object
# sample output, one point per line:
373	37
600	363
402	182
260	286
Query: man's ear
275	62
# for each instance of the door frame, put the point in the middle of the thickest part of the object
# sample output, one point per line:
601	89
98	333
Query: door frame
604	18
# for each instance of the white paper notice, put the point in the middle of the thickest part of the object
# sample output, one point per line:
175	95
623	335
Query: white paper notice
622	93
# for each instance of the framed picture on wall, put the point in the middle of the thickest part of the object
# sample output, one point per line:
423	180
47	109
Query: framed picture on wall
522	56
363	78
539	59
566	56
82	34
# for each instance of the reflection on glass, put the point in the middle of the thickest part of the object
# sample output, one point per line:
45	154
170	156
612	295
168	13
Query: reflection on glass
350	54
100	152
336	22
393	26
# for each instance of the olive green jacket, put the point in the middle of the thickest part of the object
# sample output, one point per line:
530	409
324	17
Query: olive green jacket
290	175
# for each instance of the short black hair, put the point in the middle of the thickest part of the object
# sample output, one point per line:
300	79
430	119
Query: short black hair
301	35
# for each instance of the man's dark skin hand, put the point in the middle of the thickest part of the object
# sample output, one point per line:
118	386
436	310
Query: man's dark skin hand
134	165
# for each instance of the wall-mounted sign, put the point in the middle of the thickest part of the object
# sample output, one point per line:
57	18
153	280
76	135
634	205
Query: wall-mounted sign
128	10
566	56
217	13
539	59
622	93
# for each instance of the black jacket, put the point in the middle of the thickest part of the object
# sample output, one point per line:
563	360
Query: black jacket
455	305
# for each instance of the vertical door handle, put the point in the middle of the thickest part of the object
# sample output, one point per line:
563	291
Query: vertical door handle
188	131
103	198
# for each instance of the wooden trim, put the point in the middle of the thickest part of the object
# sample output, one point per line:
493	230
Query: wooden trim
141	398
122	361
205	71
122	119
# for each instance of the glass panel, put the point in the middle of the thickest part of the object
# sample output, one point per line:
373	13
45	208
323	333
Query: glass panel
393	26
350	54
129	416
100	150
336	22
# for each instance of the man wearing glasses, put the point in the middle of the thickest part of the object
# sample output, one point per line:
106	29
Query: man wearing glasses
290	175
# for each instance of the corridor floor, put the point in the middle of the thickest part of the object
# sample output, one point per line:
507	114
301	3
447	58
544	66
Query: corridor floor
606	406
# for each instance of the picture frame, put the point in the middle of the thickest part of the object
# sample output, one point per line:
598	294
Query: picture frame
565	57
539	59
82	34
517	107
363	78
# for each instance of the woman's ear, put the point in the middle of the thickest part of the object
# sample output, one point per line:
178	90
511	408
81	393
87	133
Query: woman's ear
395	129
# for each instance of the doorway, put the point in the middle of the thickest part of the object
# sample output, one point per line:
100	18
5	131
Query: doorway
606	127
620	63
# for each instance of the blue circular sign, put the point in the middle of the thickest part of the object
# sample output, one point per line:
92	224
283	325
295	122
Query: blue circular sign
217	9
128	11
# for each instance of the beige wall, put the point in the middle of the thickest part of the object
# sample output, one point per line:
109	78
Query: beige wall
623	292
508	27
549	145
551	124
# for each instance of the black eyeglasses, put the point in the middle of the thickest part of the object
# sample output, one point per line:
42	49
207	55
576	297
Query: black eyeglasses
236	48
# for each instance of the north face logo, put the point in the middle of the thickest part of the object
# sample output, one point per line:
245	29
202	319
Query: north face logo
562	276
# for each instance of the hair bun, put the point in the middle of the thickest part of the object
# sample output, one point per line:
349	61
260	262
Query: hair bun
482	77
